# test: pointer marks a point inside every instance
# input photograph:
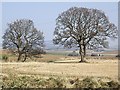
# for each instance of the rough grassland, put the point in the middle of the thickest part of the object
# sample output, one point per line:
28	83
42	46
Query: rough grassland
101	68
64	67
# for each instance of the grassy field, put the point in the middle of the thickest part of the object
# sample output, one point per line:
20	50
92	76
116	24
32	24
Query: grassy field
58	70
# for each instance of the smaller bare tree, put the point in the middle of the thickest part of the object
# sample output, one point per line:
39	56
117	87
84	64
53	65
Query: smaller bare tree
23	38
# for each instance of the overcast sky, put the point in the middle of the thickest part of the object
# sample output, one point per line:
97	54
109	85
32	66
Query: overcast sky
45	14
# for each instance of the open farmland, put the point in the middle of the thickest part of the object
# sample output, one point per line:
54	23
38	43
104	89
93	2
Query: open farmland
62	66
106	68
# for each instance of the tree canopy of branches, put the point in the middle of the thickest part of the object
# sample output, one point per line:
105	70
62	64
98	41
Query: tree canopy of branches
85	28
23	38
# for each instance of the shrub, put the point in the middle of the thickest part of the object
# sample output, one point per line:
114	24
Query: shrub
37	51
94	54
4	57
50	61
73	54
117	55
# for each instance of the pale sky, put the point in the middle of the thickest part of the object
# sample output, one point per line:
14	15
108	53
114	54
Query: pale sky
44	14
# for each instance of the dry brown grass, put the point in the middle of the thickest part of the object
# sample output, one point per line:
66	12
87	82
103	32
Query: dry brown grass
63	66
103	69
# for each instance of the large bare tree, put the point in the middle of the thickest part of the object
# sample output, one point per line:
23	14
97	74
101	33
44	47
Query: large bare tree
23	38
83	27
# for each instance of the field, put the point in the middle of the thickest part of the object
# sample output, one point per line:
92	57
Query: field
60	66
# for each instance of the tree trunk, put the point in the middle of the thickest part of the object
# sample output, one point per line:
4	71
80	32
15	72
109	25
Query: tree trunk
25	57
84	50
19	57
81	52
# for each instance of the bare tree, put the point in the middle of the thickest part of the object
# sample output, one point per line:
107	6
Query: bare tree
83	27
23	38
